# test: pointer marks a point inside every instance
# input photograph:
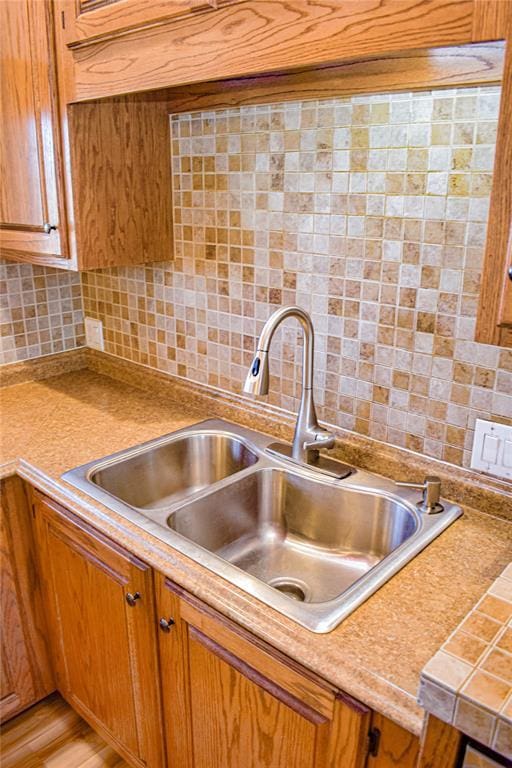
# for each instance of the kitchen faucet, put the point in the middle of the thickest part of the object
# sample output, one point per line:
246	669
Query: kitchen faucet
309	436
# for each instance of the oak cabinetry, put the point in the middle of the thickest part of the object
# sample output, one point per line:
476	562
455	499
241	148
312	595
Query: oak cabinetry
441	744
100	604
262	36
230	703
395	747
25	672
85	187
32	213
229	699
93	20
494	321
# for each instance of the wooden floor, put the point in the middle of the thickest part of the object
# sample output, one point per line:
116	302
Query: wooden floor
52	735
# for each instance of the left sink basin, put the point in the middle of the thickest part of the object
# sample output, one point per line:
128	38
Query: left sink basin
153	475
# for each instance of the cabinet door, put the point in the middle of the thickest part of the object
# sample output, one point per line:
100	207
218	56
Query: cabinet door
30	193
230	702
506	296
25	674
92	20
101	608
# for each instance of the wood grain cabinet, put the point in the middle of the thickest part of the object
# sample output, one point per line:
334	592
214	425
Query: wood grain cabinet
83	187
121	633
494	321
94	20
230	701
25	671
32	215
100	604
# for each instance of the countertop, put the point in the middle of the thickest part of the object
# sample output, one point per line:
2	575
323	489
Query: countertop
468	683
376	655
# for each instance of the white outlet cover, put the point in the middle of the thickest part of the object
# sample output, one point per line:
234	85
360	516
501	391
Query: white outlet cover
492	448
94	333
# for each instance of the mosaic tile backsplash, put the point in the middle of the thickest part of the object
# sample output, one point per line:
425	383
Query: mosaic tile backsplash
370	212
40	312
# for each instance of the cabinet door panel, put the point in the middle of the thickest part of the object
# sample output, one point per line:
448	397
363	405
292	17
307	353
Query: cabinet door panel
236	721
93	634
104	648
90	20
17	687
230	703
29	194
19	137
25	674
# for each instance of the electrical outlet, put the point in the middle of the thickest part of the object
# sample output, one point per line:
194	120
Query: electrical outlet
94	333
492	448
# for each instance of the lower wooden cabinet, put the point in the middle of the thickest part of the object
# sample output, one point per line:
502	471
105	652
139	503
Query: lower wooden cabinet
101	616
120	633
25	672
232	703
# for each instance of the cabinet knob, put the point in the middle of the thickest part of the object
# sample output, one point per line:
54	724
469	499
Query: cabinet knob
510	272
47	227
166	624
132	599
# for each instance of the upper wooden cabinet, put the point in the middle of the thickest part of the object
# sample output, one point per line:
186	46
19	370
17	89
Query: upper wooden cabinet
25	671
83	187
259	36
100	604
32	214
494	320
93	20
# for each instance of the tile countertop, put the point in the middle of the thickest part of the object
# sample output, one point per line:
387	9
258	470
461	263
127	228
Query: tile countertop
376	654
468	683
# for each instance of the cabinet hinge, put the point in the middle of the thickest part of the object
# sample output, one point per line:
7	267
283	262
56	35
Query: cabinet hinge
63	19
373	742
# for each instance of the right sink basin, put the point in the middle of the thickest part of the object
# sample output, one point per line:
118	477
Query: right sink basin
311	546
309	539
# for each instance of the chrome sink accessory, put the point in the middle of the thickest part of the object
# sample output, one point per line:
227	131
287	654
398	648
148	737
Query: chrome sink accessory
308	545
431	494
309	436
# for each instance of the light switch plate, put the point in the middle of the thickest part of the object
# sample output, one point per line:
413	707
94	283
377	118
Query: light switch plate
492	448
94	333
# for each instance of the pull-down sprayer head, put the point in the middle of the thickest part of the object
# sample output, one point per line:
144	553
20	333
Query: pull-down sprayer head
256	382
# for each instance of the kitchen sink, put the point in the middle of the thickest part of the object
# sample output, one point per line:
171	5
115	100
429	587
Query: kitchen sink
309	545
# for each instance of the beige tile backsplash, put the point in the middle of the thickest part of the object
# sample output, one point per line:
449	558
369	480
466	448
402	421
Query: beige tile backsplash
40	311
370	212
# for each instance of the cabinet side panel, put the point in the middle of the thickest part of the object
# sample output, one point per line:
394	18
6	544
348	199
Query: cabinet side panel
121	161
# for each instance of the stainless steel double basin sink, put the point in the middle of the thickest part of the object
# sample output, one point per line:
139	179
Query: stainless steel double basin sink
310	546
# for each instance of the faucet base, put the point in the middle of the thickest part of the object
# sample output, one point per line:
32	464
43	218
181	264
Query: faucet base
322	464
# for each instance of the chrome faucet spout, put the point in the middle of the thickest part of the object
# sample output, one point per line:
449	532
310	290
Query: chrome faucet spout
309	436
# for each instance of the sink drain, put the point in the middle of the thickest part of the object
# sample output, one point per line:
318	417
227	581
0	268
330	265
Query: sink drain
291	588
